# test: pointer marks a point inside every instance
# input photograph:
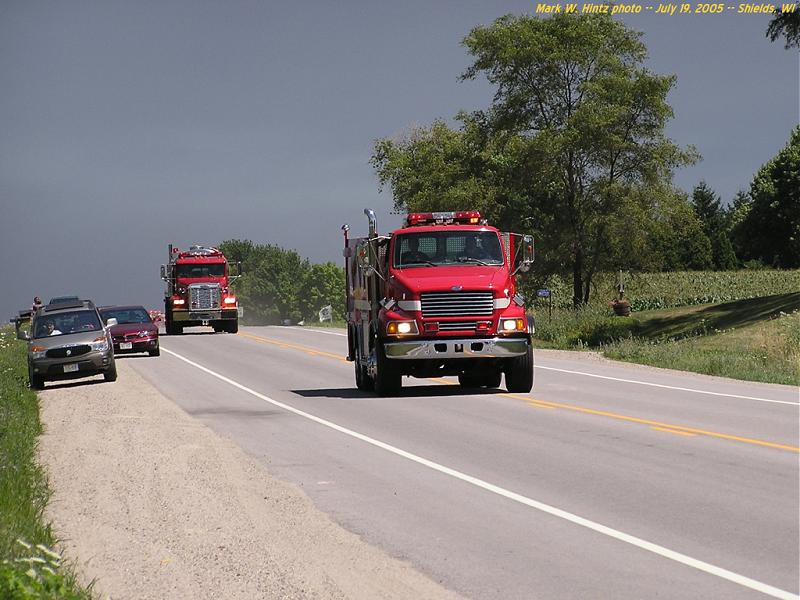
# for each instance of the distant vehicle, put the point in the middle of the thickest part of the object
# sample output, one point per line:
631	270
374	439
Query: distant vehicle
63	300
198	290
68	340
134	331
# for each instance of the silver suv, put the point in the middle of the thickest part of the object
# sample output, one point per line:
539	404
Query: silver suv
67	341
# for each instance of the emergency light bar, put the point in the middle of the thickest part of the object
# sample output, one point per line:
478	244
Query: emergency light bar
462	217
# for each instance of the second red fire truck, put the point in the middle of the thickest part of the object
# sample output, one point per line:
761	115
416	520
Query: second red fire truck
438	297
199	290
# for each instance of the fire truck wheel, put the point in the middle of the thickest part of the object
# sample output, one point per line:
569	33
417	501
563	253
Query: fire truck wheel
218	327
492	380
519	373
363	380
468	381
388	379
111	373
232	327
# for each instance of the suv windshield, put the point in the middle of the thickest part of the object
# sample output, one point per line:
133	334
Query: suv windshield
78	321
447	248
126	315
201	270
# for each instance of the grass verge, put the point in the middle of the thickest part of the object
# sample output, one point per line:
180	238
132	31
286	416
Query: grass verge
29	568
756	339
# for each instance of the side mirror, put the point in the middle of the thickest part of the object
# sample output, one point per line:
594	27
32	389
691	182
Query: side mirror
111	322
163	271
23	335
527	253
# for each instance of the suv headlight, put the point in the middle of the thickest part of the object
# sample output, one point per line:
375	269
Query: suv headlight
37	352
100	344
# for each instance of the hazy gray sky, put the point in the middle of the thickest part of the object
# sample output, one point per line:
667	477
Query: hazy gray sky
128	125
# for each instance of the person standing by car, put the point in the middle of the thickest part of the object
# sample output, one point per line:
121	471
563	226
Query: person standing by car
37	304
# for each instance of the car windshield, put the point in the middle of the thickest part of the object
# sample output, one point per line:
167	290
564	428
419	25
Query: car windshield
66	323
126	315
201	270
437	248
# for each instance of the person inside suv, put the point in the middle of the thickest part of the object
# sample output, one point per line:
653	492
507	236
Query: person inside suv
50	329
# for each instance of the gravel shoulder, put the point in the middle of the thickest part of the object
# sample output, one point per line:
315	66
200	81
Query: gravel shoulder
149	503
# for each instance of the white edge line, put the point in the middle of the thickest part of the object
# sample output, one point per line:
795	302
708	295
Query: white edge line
546	508
671	387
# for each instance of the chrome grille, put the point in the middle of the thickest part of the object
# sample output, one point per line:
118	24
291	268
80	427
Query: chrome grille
457	325
203	296
456	304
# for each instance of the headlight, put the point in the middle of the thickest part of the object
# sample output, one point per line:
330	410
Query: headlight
178	302
230	300
401	327
509	325
144	333
100	344
37	352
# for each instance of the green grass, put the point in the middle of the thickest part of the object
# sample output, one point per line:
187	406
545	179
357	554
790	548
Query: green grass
29	569
756	339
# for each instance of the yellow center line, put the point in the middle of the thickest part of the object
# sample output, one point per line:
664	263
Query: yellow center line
306	349
675	431
539	403
691	430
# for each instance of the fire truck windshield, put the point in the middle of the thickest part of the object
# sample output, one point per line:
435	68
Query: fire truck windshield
197	270
453	247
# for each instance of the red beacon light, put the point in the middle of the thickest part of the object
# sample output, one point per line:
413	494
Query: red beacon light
462	217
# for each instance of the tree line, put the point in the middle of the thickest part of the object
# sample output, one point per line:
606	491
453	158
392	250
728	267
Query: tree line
573	150
278	284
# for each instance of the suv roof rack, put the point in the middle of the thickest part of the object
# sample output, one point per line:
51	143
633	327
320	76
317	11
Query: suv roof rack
73	304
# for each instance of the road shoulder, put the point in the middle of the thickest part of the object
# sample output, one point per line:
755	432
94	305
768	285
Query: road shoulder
153	504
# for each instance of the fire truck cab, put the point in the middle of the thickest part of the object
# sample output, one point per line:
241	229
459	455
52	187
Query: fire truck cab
438	297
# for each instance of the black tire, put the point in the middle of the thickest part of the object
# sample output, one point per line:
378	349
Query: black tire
156	352
173	329
218	326
111	373
519	373
36	381
363	380
232	327
388	379
466	380
492	380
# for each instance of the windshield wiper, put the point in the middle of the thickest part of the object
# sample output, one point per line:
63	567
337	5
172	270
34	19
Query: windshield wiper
475	260
421	262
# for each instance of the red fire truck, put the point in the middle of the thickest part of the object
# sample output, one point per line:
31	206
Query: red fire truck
438	297
198	290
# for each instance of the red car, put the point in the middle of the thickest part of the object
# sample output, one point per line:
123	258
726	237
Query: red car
134	331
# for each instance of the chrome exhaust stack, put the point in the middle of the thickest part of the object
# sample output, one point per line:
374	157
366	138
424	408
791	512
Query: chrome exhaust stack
373	222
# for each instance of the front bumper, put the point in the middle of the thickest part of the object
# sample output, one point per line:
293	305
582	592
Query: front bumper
205	315
91	363
137	345
447	348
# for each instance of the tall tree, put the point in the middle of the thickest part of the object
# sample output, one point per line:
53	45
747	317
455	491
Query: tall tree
708	208
575	87
768	224
786	24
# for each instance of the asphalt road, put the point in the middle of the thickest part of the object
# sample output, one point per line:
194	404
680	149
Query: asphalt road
606	481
